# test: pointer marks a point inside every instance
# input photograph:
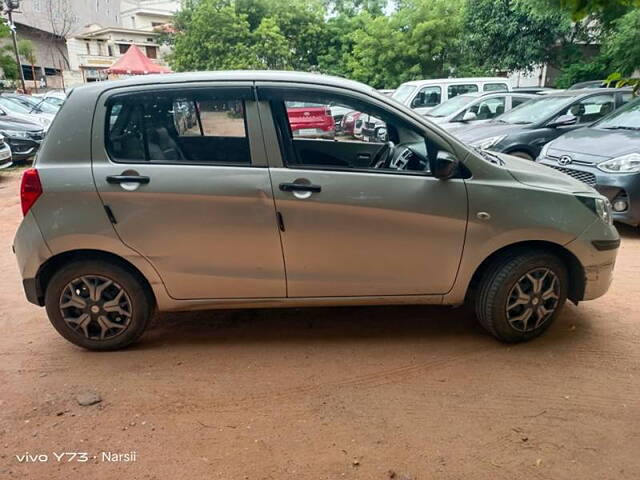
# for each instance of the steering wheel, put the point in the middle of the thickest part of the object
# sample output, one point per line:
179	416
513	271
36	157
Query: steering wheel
383	158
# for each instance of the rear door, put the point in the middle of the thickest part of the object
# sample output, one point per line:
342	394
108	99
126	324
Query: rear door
182	172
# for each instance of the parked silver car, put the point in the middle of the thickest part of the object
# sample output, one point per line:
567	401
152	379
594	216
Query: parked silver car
131	211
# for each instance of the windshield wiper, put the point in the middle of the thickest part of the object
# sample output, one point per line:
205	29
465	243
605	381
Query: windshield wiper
621	127
490	157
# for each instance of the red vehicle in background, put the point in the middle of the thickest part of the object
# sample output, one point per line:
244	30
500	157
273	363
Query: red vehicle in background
349	123
310	120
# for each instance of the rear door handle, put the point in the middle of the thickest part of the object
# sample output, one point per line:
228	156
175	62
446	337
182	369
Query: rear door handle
300	187
128	179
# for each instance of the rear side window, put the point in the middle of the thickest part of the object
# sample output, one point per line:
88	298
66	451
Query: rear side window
167	127
495	87
455	90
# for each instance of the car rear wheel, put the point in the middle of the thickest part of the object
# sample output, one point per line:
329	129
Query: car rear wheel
521	295
98	305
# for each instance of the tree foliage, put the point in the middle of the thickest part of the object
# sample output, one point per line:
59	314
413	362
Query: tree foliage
385	43
7	60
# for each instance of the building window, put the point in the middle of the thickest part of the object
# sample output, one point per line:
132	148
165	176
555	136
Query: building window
152	52
88	47
156	24
133	22
110	50
122	48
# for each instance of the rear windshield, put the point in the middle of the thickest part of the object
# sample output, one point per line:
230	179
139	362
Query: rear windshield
403	92
451	106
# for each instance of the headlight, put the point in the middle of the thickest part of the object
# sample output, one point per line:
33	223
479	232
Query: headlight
487	143
598	205
14	133
625	164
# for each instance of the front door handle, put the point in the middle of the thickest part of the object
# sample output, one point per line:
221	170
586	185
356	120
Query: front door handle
128	179
300	187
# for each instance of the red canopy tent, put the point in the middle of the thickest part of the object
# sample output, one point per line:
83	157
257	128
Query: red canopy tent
134	62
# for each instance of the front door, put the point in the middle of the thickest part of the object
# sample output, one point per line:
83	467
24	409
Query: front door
362	218
183	175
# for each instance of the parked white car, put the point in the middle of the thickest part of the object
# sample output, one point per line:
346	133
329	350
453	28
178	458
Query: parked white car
5	154
423	95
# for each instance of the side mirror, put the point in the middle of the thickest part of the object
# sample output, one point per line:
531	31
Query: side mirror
469	116
563	121
444	166
381	134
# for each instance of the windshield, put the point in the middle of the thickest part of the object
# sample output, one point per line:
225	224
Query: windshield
451	106
37	104
402	93
13	106
627	118
535	111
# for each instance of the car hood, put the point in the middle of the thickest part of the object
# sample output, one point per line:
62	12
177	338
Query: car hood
17	123
537	175
598	142
486	130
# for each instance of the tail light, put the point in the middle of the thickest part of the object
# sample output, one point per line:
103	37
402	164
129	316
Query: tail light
30	189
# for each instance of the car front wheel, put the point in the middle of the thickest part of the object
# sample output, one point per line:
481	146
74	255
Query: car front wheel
520	295
98	305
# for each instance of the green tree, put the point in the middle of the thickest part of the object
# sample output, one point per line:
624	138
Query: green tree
513	35
622	46
7	59
27	50
225	34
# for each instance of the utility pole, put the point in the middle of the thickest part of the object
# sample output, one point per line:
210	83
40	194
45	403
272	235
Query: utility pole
11	6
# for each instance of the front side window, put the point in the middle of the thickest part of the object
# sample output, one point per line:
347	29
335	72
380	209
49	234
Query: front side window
427	97
455	90
178	128
495	87
366	138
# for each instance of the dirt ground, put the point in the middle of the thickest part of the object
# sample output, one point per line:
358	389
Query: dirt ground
354	393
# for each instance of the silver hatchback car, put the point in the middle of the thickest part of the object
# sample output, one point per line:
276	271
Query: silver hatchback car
189	191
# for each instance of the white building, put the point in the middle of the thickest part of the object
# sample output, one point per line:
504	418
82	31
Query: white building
147	14
97	48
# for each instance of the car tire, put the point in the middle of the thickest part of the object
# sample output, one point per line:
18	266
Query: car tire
517	292
524	155
98	305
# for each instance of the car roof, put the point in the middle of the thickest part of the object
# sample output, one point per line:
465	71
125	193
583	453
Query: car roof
231	76
586	91
458	80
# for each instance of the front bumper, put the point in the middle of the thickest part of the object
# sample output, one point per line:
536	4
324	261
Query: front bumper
596	249
5	156
612	186
23	148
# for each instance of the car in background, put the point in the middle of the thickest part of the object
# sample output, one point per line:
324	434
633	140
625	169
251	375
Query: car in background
470	109
53	98
588	84
18	110
523	131
538	90
5	154
22	136
605	156
311	120
348	123
423	95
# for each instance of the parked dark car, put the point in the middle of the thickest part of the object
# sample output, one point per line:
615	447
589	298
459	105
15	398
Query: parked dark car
22	136
523	131
605	156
